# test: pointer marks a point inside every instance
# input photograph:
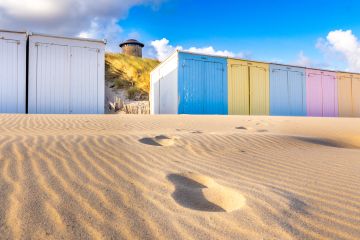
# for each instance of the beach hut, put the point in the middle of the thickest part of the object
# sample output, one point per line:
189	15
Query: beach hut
189	83
66	75
321	93
12	71
287	91
248	87
349	94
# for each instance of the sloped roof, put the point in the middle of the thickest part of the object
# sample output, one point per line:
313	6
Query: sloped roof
132	41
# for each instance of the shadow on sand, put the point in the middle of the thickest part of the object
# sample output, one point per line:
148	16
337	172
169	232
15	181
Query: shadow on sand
188	193
156	141
323	142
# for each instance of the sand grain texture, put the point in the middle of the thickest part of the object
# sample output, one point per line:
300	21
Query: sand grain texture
179	177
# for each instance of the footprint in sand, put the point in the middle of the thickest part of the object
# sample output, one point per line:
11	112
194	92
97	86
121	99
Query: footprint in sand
245	128
197	132
261	130
202	193
264	124
159	141
191	131
251	129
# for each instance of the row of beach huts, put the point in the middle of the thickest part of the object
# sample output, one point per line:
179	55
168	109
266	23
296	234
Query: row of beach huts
48	74
190	83
60	75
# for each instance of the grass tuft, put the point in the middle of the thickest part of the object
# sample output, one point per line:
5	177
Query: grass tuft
130	73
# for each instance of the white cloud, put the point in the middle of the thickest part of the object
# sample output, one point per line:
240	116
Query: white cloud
90	18
341	46
30	9
109	30
163	49
303	60
210	50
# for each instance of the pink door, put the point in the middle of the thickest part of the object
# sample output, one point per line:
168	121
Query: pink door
313	94
330	103
321	93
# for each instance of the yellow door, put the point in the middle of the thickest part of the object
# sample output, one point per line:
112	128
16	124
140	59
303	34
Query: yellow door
345	94
238	87
356	95
259	89
248	87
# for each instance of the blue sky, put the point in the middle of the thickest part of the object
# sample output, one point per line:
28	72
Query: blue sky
275	30
316	33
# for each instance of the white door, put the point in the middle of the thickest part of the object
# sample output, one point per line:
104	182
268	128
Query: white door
52	79
12	77
155	92
84	80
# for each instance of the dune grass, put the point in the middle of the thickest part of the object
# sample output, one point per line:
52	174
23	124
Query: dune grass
130	73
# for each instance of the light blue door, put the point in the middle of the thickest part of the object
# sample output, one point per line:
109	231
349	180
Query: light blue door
279	95
202	84
193	95
214	88
287	91
297	90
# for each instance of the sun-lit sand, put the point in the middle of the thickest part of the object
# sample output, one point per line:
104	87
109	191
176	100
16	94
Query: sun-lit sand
179	177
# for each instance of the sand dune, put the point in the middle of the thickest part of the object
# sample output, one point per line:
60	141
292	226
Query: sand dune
179	177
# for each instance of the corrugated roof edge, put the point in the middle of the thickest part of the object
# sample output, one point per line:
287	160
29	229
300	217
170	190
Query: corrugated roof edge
70	38
13	31
290	65
348	72
166	59
227	57
188	52
201	54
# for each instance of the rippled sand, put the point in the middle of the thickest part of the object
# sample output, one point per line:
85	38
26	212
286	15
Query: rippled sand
179	177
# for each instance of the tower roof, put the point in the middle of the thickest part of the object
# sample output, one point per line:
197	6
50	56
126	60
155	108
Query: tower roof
132	41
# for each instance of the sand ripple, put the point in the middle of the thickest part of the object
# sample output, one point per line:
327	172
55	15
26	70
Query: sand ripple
179	177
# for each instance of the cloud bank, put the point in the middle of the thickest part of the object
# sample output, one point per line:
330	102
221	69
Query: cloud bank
100	19
340	50
88	18
341	46
303	60
163	49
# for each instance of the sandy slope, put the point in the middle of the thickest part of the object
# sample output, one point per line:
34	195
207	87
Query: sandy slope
179	177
